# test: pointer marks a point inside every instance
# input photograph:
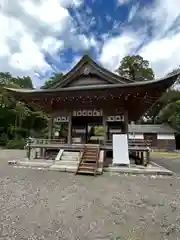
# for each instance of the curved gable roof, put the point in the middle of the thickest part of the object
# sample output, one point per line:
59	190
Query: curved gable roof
86	61
164	83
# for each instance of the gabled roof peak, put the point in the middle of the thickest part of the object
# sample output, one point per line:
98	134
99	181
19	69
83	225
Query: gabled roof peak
87	65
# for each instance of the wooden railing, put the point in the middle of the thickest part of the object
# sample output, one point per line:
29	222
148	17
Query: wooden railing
139	143
131	142
46	141
135	143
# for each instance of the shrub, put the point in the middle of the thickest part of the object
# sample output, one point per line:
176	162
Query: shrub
17	143
3	139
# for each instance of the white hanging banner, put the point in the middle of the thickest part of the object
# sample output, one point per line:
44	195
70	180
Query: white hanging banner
120	149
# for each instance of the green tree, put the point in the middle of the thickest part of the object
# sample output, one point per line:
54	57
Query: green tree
167	109
135	68
174	71
170	114
57	77
24	82
17	119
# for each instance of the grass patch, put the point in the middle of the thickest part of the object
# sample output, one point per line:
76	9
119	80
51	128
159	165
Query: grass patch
168	154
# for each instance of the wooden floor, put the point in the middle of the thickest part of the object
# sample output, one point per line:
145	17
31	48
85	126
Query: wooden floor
138	151
80	146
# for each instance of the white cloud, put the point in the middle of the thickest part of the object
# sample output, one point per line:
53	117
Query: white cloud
30	28
162	16
163	54
162	49
133	11
121	2
68	3
50	12
51	44
29	58
115	48
75	60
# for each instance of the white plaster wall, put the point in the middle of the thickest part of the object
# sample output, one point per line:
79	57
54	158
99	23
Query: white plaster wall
136	136
161	136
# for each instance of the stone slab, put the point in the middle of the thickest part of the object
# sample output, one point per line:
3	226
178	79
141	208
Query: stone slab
150	171
67	163
57	168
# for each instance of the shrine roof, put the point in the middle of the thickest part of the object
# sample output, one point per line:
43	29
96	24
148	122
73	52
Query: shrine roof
87	66
165	82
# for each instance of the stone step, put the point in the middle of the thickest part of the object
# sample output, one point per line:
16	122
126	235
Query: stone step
86	171
35	164
67	163
70	153
68	158
63	168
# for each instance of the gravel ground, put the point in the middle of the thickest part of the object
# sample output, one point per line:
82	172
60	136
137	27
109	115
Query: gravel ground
38	204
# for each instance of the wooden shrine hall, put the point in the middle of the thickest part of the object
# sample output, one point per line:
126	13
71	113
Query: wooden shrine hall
90	95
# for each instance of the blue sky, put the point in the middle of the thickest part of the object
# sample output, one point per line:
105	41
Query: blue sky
39	37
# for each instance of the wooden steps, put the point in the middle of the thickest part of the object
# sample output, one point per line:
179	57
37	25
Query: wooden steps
89	161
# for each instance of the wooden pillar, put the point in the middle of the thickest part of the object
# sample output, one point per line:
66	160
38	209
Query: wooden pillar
104	127
50	128
70	128
108	135
86	134
126	121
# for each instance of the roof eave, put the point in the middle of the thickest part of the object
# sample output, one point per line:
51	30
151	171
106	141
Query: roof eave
166	82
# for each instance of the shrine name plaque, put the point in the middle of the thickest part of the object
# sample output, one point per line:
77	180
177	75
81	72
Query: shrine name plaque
89	113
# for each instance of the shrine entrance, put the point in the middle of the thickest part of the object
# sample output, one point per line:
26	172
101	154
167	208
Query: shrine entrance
92	126
83	128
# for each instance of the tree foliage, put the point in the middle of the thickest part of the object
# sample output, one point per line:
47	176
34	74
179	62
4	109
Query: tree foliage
56	78
17	120
135	68
167	109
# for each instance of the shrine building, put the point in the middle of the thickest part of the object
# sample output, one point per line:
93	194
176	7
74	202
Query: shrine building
89	95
